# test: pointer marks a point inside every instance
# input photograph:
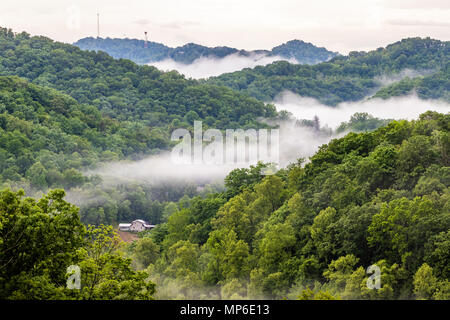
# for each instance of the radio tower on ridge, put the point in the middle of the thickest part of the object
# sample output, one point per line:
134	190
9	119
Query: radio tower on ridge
98	25
146	40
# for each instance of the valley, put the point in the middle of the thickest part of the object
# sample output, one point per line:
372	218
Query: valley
362	178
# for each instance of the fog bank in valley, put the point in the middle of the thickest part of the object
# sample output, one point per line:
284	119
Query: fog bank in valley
294	141
205	67
407	107
386	80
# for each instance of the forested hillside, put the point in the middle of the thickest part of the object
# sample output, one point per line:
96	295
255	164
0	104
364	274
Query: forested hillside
123	90
47	140
136	51
379	197
132	49
309	232
40	239
353	77
303	52
72	110
39	125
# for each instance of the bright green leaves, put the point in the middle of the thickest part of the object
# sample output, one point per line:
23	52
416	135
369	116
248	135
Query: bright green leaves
428	286
38	239
403	226
146	252
227	255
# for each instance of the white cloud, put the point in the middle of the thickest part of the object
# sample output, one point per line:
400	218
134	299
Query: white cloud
295	142
409	107
205	67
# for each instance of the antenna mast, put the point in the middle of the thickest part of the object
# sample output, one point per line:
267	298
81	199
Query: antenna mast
146	40
98	25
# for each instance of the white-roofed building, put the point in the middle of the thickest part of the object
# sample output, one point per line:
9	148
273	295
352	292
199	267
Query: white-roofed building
136	226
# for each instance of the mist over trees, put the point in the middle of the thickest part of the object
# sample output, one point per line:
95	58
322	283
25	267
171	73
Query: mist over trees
352	77
308	232
41	238
72	110
377	196
137	51
124	91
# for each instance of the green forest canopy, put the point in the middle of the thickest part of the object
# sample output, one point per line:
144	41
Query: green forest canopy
308	232
353	77
136	51
378	197
71	109
123	90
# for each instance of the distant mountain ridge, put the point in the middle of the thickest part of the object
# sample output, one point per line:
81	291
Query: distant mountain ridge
354	77
135	50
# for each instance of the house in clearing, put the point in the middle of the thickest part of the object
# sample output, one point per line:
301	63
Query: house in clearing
136	226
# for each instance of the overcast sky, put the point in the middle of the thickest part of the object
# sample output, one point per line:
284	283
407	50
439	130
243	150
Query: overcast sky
343	25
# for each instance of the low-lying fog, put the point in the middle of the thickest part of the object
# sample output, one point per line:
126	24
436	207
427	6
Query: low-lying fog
295	142
408	107
206	67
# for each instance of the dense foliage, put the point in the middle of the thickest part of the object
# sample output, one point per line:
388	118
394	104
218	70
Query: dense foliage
303	52
122	90
132	49
40	239
46	136
352	77
47	140
72	110
379	197
136	51
362	121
